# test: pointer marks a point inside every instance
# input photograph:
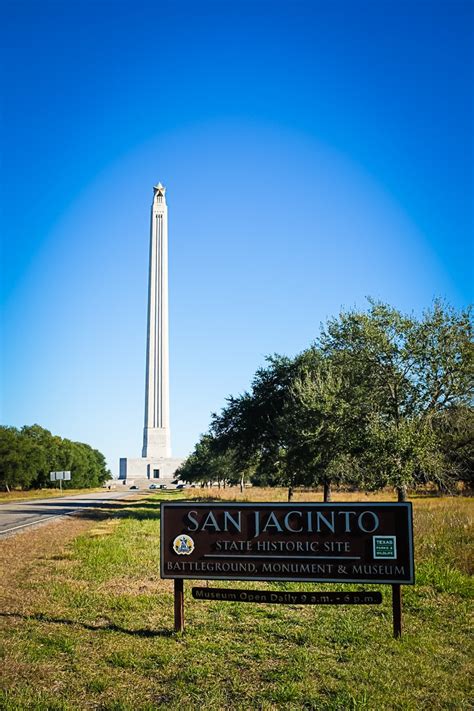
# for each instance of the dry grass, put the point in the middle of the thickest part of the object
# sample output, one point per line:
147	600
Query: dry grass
10	496
228	493
26	552
255	493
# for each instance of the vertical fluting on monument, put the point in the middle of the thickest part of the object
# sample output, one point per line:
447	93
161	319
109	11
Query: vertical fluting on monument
156	433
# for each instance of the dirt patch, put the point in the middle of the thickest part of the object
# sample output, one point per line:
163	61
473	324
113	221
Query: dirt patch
128	586
18	554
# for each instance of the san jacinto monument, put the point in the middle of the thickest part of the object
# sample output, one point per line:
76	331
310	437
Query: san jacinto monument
156	463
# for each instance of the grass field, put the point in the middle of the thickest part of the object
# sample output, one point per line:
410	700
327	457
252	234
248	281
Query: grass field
86	623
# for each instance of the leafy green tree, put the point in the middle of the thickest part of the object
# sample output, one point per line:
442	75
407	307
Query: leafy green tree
256	427
19	458
455	429
326	414
299	424
48	448
87	465
102	473
411	370
209	464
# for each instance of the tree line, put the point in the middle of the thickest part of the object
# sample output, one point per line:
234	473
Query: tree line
380	399
29	454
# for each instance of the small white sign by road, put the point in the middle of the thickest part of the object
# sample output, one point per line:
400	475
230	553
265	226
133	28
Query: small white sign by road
60	476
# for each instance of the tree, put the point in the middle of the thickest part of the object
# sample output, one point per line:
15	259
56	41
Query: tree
196	469
19	458
256	426
87	465
455	429
411	371
326	419
48	447
293	428
209	463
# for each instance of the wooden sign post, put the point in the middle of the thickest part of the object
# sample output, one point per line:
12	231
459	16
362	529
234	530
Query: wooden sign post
178	605
397	610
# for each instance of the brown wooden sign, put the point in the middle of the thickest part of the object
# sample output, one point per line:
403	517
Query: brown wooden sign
344	543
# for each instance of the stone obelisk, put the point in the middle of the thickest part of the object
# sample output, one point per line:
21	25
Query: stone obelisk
156	463
156	433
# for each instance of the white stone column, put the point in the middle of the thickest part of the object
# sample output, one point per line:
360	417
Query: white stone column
156	434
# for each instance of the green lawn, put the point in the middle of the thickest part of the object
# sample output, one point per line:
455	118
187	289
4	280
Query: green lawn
88	625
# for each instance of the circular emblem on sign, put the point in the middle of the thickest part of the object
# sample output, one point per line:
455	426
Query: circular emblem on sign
183	544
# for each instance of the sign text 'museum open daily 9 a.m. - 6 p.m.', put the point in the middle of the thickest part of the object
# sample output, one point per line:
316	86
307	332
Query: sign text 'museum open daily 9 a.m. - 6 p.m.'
357	542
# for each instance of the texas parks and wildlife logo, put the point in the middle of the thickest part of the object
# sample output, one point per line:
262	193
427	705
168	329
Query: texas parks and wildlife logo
183	544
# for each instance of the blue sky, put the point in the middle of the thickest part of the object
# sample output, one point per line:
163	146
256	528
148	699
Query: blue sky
314	153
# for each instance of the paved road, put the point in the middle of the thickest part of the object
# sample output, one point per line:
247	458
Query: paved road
17	516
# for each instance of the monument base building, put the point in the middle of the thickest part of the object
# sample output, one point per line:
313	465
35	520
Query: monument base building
156	464
149	470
